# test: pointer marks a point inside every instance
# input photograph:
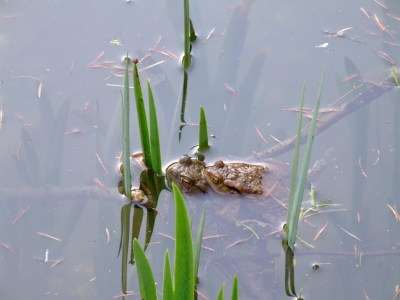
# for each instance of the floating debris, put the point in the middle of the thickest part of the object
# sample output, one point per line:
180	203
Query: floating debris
21	214
48	236
209	35
322	45
322	229
101	162
231	90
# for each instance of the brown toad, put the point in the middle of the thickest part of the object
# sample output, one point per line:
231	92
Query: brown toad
235	178
187	174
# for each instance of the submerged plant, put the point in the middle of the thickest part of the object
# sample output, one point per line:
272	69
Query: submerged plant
182	285
203	132
296	198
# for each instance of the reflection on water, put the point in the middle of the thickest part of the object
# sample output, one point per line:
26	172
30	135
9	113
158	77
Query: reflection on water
265	60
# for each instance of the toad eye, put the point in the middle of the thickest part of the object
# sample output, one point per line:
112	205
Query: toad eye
217	178
186	181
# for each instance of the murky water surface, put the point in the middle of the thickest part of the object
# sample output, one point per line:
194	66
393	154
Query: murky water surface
252	66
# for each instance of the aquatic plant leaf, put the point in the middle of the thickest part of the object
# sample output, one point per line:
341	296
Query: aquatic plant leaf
203	132
221	292
124	245
150	222
184	265
231	49
137	219
248	87
295	160
168	288
22	170
396	81
193	36
154	135
289	270
126	152
56	144
184	94
197	244
32	159
145	275
183	105
154	184
342	87
235	288
186	35
46	111
294	218
142	119
359	126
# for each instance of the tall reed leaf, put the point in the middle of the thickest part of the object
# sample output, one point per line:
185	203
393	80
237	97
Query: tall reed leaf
154	135
221	292
168	288
396	81
294	218
137	219
235	288
145	275
125	132
197	244
295	159
124	244
142	119
186	36
184	266
184	94
203	133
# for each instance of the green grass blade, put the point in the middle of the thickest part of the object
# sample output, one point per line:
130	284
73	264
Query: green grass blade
125	132
154	135
168	288
197	244
238	223
221	292
137	219
142	119
184	266
289	271
150	222
203	132
184	94
296	158
193	36
147	284
294	218
186	35
235	288
125	225
396	81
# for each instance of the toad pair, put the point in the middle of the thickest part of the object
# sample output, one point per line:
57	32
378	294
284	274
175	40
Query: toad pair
191	176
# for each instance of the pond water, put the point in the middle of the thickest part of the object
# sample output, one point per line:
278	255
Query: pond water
252	66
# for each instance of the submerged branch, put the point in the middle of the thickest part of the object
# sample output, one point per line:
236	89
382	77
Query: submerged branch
54	193
345	109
